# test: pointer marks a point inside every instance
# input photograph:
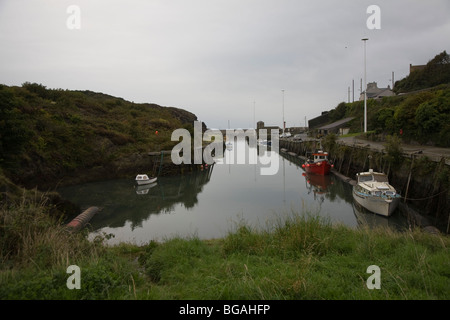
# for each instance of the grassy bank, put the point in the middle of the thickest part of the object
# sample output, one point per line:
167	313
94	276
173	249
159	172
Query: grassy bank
55	136
297	257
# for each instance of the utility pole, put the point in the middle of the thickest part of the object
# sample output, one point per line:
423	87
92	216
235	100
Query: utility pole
283	112
365	87
353	89
393	80
254	112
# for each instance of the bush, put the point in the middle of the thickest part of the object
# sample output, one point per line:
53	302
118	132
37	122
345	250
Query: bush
394	151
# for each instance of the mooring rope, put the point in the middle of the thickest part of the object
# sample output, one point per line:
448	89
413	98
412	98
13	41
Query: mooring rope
421	199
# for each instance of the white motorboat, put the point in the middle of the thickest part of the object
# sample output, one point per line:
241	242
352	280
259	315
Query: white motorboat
374	193
144	179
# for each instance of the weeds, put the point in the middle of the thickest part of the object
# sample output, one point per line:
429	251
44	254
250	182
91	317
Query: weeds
297	256
31	236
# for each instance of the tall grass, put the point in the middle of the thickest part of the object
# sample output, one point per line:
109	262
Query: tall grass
30	235
36	248
296	256
300	257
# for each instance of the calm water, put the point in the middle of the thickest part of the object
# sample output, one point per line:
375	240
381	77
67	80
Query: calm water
209	203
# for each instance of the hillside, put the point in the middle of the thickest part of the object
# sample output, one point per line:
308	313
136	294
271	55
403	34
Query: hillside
436	72
421	117
51	135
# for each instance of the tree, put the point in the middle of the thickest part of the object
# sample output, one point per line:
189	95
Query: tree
428	121
436	72
394	151
37	89
329	142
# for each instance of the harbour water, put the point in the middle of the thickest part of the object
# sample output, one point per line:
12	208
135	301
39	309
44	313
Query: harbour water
210	203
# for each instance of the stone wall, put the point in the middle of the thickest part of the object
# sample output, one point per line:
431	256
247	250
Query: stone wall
423	184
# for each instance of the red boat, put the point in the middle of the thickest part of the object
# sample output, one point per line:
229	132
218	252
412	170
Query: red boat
319	164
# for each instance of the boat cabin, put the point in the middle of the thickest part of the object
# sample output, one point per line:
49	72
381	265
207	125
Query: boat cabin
320	156
141	177
371	177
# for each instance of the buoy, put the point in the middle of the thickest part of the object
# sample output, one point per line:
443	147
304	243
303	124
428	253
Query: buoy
82	219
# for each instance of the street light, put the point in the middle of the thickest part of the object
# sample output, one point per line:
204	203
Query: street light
283	112
365	87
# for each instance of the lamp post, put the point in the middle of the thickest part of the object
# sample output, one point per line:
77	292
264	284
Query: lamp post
283	112
365	87
254	112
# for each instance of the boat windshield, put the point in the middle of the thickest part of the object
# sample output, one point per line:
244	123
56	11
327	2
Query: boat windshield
365	178
320	157
380	178
373	177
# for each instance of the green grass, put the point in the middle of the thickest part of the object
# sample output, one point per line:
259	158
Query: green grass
297	256
52	134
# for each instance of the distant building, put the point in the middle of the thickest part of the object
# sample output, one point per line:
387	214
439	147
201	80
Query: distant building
319	121
261	125
339	127
373	92
415	68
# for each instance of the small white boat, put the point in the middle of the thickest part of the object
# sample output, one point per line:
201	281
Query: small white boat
374	193
144	179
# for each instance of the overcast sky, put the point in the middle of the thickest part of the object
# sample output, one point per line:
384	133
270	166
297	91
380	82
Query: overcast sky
224	60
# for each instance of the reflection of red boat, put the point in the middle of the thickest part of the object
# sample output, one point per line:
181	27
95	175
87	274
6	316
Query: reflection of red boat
319	164
320	183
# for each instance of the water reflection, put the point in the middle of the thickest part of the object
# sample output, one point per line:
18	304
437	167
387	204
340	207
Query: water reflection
318	185
329	189
123	203
369	219
208	203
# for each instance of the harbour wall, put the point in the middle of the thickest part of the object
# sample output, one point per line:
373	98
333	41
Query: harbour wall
423	183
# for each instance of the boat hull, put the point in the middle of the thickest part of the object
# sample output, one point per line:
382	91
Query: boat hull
376	205
322	168
146	181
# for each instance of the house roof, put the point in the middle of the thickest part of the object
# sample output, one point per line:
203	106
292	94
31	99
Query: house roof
336	124
374	92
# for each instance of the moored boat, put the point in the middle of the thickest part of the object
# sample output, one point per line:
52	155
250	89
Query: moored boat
319	164
144	179
373	192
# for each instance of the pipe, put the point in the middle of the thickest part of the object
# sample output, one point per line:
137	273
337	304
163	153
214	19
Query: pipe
82	219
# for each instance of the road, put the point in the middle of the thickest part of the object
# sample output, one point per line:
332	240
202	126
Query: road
434	153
